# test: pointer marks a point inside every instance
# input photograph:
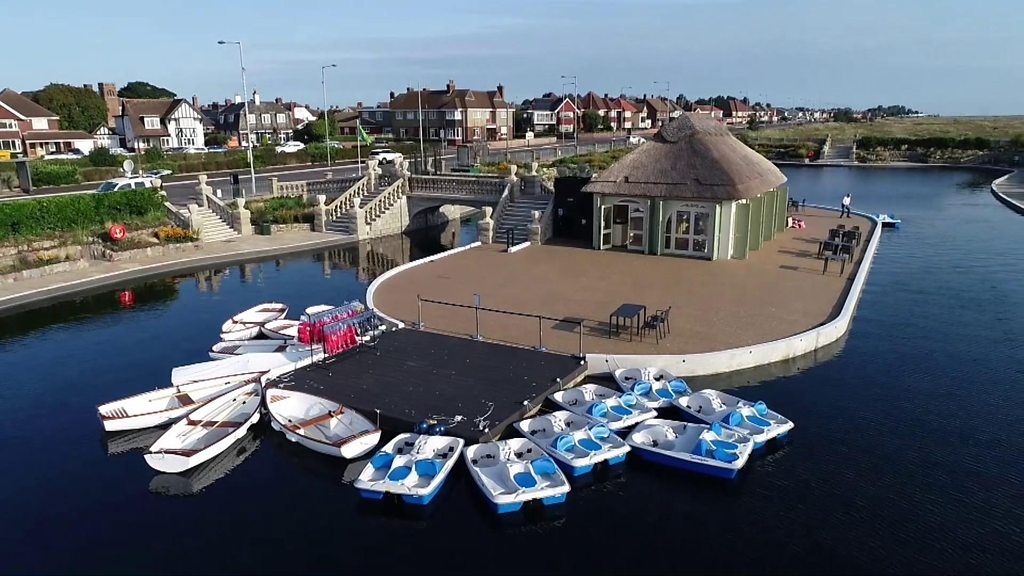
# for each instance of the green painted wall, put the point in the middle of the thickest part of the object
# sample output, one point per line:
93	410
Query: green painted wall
768	223
780	223
754	238
741	228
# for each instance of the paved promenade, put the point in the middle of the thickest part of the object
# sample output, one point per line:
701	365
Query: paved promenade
1011	191
20	294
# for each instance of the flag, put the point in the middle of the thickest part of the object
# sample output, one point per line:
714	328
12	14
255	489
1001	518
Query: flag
364	137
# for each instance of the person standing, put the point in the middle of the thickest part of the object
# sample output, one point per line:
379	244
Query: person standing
845	209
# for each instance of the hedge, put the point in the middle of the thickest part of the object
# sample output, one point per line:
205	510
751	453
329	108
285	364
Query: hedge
29	218
933	142
53	173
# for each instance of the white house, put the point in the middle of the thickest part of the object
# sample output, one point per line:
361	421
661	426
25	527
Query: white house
105	137
165	123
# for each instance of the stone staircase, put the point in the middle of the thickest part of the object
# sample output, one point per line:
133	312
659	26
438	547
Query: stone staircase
214	229
517	216
839	152
343	224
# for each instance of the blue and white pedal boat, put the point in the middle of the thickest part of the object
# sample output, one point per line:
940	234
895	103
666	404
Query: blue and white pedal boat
618	410
656	387
576	442
412	466
514	471
714	450
752	418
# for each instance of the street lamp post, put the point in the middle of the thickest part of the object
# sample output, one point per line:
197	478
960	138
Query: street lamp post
622	112
327	132
248	128
668	90
576	112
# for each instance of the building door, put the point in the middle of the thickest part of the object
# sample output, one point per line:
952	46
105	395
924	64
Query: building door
637	231
606	227
740	227
689	229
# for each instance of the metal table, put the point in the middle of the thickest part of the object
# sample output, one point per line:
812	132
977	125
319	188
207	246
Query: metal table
635	313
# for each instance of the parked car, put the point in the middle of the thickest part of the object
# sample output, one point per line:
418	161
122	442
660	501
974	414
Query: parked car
290	146
120	152
158	173
385	156
194	150
636	140
217	149
175	150
73	154
132	183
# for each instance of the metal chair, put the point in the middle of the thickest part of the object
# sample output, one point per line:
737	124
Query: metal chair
835	234
840	226
659	321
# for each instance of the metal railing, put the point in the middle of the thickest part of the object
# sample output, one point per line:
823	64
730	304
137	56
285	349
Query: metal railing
478	309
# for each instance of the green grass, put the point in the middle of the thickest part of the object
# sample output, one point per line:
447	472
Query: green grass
991	127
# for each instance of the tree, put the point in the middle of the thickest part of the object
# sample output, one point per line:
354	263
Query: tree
216	139
312	131
144	90
591	121
78	108
606	123
753	123
101	156
153	154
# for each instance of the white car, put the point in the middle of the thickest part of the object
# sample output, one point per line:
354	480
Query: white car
636	140
385	156
290	146
118	184
194	150
120	152
73	154
158	173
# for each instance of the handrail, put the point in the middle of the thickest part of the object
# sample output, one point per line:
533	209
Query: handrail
383	202
499	208
177	217
218	207
540	331
546	221
456	185
348	199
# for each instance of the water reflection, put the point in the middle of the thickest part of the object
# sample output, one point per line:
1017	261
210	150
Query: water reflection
131	440
195	480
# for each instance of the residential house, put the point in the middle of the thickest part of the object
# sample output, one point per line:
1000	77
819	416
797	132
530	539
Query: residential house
736	111
640	119
549	114
26	128
105	137
302	114
712	111
658	110
164	122
376	121
767	115
269	122
599	104
625	115
454	115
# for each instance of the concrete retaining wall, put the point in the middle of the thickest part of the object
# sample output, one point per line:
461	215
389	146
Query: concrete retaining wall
57	268
758	354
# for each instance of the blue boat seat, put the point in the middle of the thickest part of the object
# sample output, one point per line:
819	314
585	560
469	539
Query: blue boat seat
621	410
725	445
382	460
664	393
716	427
563	443
702	448
589	444
628	399
600	431
598	410
524	480
758	421
544	466
725	456
642	388
428	467
734	419
399	474
761	408
679	386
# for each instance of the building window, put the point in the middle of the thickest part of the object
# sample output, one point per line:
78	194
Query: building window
8	124
431	115
252	119
265	118
40	124
433	133
281	119
151	123
10	145
401	133
387	132
476	133
458	133
380	115
165	142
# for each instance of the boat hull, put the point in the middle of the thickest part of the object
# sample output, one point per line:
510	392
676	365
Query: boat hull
175	463
351	449
688	465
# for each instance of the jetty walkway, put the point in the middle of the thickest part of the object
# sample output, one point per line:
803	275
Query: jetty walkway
1010	191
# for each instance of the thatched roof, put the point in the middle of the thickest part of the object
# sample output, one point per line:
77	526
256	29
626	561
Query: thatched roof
690	158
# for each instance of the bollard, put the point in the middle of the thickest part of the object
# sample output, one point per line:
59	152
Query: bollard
540	335
419	312
476	300
581	340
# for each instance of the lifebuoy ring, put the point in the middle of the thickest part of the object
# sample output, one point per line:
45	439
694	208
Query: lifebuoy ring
127	298
117	232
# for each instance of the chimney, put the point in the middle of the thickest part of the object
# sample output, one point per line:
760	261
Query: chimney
195	102
238	99
279	100
391	95
255	97
451	87
408	89
359	105
501	91
88	87
605	95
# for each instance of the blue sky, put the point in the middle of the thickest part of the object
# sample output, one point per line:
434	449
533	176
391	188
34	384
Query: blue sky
952	57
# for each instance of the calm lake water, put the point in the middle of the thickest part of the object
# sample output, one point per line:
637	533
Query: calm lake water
906	456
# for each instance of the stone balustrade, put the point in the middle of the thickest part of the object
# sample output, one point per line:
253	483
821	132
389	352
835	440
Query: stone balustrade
388	198
348	199
457	186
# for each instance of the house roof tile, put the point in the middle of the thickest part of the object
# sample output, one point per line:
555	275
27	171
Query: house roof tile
23	106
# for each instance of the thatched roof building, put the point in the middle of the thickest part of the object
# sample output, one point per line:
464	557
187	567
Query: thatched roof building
690	158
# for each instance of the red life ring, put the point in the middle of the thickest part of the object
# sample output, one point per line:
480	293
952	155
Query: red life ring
117	232
127	298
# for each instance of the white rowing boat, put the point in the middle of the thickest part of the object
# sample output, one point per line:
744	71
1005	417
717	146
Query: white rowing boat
617	410
262	362
514	471
222	350
575	441
713	450
413	466
281	329
207	431
752	418
246	325
197	479
164	405
656	387
320	424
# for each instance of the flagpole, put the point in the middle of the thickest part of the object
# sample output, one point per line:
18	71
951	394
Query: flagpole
419	104
359	138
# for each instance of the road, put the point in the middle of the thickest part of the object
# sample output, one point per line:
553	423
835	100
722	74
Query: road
183	192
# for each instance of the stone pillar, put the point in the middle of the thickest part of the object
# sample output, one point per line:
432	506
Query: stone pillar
195	221
273	186
241	220
328	175
513	182
531	185
203	189
320	220
372	172
534	232
534	165
485	227
159	185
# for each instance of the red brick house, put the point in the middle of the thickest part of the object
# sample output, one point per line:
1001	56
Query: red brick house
713	111
737	112
26	128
